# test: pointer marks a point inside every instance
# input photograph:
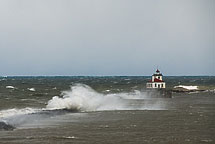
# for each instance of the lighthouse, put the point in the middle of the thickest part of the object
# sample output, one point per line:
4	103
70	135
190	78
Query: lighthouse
156	81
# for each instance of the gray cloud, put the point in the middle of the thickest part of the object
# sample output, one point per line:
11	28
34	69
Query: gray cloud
107	37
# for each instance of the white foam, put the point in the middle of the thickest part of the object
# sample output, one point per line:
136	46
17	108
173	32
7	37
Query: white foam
31	89
69	137
14	112
83	98
187	87
10	87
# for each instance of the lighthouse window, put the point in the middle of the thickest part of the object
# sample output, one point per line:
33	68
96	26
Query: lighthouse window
155	85
158	77
161	85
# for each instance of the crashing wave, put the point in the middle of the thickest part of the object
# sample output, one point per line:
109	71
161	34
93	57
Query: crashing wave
84	98
80	98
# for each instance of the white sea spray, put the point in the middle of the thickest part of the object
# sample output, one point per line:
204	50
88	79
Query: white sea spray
83	98
14	112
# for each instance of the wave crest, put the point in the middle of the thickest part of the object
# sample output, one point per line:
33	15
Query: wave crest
84	98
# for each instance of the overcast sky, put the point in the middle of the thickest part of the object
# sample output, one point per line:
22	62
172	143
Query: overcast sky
107	37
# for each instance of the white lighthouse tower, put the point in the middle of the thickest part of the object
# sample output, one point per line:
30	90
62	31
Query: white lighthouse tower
156	81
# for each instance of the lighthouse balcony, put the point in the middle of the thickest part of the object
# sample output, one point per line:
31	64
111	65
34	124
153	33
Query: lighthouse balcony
156	85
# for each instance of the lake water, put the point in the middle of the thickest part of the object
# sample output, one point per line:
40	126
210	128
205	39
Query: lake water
104	110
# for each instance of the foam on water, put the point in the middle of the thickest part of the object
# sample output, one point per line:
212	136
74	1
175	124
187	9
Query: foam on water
16	118
31	89
14	112
83	98
80	98
187	87
11	118
10	87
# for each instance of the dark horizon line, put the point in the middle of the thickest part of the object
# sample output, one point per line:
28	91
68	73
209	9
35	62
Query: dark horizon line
105	76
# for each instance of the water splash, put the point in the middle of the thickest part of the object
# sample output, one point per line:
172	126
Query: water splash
14	112
80	98
84	98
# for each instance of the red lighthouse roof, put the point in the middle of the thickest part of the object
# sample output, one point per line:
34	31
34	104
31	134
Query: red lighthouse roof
156	80
157	71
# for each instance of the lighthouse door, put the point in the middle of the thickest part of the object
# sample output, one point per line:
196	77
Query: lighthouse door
158	85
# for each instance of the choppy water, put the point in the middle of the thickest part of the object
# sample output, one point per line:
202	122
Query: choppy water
104	110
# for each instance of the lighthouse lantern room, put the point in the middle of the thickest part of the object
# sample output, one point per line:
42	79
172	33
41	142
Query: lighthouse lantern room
156	81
